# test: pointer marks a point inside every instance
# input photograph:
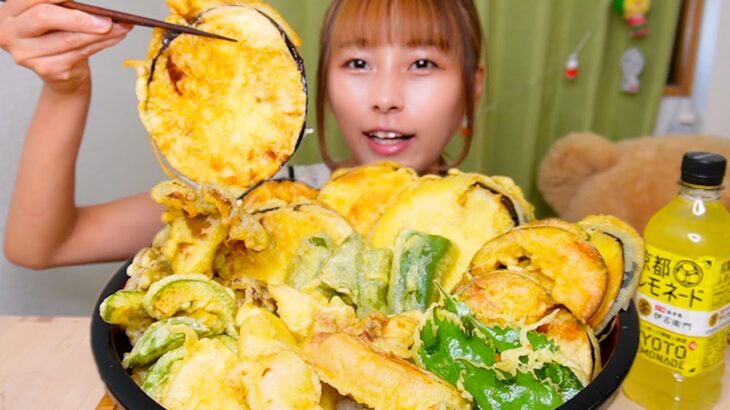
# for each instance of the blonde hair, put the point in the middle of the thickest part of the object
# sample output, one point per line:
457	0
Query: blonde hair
450	25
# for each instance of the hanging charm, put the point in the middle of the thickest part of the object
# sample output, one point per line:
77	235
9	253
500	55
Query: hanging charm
464	129
571	67
632	64
634	13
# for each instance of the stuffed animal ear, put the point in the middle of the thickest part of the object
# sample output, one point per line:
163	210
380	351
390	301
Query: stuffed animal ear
569	163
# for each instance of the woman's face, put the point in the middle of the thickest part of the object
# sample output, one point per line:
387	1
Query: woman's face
396	102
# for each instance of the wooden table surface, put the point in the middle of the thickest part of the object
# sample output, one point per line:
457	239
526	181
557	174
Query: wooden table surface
46	363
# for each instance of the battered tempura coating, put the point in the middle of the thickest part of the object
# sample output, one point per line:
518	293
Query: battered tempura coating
375	379
223	113
467	209
574	271
282	190
505	297
286	226
363	193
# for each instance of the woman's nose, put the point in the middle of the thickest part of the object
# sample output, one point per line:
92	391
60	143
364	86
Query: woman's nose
387	93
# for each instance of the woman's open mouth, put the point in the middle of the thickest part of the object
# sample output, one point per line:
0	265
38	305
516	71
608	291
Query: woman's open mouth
388	142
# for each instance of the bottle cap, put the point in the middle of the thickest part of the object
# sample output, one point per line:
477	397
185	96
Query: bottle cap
703	168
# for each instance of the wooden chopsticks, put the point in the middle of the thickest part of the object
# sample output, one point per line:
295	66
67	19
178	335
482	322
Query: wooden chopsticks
121	17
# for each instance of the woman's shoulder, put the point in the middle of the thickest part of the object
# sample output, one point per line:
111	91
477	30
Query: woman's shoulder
315	174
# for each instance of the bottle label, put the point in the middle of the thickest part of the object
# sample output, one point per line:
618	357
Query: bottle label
684	309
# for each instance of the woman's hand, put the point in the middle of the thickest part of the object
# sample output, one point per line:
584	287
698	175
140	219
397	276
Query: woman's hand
55	42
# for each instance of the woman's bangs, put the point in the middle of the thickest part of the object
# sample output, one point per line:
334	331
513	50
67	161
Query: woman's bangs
371	23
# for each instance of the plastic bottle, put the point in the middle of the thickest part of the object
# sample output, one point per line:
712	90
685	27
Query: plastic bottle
684	294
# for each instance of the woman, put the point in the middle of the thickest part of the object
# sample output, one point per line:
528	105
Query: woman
401	77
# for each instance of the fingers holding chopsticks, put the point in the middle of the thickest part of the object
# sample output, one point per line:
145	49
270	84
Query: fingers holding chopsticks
59	42
17	6
67	71
55	41
46	17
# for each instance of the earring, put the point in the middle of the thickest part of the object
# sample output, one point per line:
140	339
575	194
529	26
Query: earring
465	127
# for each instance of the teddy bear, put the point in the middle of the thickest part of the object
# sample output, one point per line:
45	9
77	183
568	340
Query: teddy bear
585	173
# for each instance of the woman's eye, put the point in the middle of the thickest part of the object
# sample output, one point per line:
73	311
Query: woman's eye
356	64
424	64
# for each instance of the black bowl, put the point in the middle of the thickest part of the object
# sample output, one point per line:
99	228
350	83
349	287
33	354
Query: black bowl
108	344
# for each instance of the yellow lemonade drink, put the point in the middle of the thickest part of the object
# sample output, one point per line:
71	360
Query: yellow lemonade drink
684	295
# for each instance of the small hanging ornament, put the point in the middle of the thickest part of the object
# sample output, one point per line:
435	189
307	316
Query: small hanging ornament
632	64
634	12
464	129
571	67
